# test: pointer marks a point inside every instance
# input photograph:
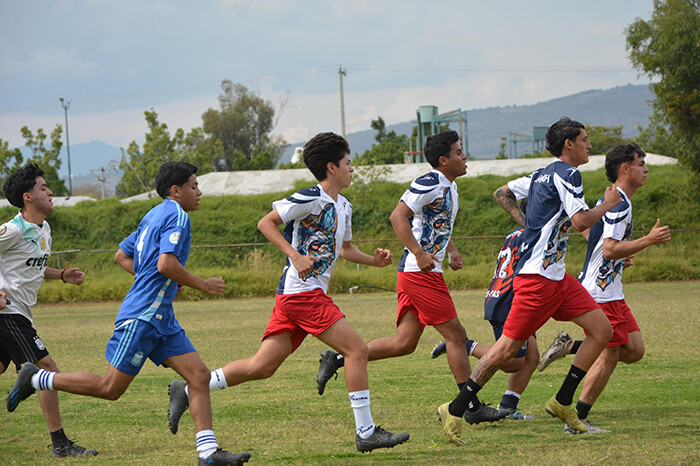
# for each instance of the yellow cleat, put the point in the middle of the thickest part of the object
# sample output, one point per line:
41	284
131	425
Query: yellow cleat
566	414
452	424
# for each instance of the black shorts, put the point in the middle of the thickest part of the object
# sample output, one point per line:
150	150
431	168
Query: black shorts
19	342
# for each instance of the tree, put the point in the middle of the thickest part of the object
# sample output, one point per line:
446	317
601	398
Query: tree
604	138
7	165
667	49
657	139
242	125
389	148
48	158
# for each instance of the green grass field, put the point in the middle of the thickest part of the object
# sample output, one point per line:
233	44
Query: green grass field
652	407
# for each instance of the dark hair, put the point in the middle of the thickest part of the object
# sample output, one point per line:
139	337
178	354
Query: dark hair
618	155
439	145
559	132
173	174
324	148
20	182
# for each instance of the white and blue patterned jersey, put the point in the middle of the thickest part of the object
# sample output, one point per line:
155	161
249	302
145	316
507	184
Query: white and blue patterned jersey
165	229
554	196
316	226
24	255
600	276
434	202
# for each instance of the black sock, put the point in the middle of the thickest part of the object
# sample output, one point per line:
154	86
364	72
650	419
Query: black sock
461	385
583	409
59	439
576	346
339	361
466	395
565	395
510	401
470	345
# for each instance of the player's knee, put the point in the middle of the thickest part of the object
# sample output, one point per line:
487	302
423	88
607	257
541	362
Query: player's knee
514	365
113	392
405	347
633	356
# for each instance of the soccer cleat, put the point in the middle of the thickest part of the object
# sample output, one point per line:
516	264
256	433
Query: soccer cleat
224	458
440	348
22	387
452	424
514	413
72	450
591	429
556	351
380	438
326	370
178	403
566	414
485	414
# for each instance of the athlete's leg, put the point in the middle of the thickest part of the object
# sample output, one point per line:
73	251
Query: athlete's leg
48	399
408	333
196	373
342	337
108	387
456	340
599	374
273	350
633	350
599	332
517	381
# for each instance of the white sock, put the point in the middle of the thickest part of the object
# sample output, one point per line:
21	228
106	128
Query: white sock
359	401
510	392
43	380
216	382
206	443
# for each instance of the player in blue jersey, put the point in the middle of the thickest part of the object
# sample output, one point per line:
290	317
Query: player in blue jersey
145	326
496	308
25	247
423	220
609	244
318	230
543	289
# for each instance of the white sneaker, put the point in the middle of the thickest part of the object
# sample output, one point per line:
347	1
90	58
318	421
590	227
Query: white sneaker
591	429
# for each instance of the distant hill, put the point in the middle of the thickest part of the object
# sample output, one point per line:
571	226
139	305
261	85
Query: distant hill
628	105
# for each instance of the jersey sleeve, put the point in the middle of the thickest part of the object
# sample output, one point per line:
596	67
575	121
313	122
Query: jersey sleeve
8	237
348	222
128	245
298	205
520	187
615	221
173	232
570	188
421	192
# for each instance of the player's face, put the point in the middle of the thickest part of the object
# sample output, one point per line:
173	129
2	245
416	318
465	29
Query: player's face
344	171
41	196
638	171
581	148
456	162
188	194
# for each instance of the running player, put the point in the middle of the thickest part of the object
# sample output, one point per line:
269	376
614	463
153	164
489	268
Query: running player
318	231
542	288
25	247
146	327
423	220
609	244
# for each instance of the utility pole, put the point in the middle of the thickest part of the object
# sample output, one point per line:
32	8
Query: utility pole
65	104
341	73
102	180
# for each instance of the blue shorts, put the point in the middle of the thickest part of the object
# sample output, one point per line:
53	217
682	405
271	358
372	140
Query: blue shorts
132	343
497	326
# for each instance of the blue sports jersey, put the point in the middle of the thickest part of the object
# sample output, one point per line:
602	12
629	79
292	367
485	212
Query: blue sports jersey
164	229
554	196
500	294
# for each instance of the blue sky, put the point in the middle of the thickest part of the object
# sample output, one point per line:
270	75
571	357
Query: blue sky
115	59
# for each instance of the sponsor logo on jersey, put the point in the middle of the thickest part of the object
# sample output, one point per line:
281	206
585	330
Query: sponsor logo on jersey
43	243
543	179
174	237
42	261
493	294
3	229
137	360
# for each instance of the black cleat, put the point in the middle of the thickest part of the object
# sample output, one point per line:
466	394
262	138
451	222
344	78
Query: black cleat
72	450
485	414
326	370
22	387
224	458
380	438
178	403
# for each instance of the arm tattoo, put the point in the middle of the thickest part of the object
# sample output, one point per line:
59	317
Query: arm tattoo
482	373
506	199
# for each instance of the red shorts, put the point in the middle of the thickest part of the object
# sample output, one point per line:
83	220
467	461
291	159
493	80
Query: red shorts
302	313
426	296
622	321
537	298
